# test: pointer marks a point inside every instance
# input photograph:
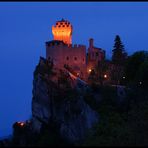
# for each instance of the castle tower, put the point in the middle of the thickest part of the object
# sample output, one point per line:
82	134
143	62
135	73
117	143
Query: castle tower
62	31
95	55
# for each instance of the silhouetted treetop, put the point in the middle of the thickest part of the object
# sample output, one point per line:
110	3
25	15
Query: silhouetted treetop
119	54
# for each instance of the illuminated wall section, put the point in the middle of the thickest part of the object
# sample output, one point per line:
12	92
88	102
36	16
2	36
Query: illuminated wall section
62	31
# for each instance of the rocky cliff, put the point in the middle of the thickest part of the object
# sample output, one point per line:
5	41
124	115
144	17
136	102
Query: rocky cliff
57	99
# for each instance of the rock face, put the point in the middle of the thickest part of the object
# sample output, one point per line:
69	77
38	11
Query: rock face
60	102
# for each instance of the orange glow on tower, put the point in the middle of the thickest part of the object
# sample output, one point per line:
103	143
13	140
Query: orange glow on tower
62	31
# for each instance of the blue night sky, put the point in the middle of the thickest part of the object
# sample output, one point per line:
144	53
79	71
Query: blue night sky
26	26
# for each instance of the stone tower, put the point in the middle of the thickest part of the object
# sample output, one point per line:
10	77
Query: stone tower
62	31
95	55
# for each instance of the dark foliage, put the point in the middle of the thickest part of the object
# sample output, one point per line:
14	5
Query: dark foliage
136	69
121	125
119	57
119	54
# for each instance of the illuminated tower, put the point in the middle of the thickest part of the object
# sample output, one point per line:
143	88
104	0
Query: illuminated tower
62	31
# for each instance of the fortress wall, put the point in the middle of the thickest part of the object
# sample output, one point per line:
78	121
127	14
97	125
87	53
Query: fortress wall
59	54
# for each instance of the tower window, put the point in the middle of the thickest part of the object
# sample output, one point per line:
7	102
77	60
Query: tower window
67	58
59	26
56	23
63	25
75	58
97	54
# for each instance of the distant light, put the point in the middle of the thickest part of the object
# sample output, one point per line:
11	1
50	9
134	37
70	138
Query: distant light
89	70
105	76
123	77
22	124
140	82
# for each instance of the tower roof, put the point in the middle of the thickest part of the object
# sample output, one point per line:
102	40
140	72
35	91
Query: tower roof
63	21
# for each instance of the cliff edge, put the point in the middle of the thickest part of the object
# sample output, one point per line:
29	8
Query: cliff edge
58	103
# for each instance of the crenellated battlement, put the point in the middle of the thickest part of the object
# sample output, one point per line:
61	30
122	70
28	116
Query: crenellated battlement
78	46
55	43
61	44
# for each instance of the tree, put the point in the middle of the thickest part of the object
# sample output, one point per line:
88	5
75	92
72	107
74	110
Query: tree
119	55
136	68
143	74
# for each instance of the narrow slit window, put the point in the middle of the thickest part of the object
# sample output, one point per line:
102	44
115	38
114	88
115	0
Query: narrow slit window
67	58
75	58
